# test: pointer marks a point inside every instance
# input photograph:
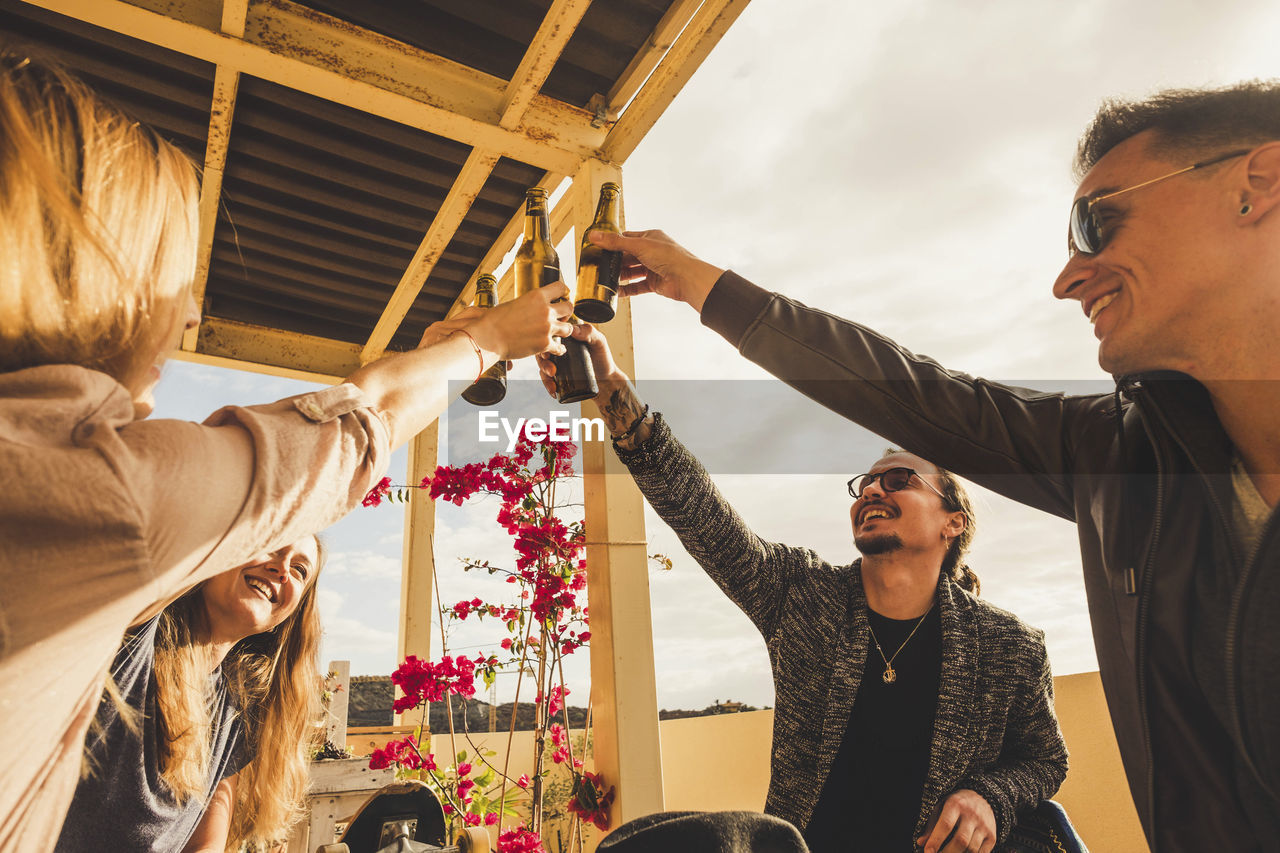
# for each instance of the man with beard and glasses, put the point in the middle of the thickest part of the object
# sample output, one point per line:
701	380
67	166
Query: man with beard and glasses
908	711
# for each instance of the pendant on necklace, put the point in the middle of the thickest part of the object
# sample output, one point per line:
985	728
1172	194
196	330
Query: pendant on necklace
890	675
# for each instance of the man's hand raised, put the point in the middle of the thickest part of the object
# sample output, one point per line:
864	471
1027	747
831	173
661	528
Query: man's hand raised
654	263
967	818
608	375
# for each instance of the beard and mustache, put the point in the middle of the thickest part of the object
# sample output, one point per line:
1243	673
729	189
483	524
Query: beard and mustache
873	544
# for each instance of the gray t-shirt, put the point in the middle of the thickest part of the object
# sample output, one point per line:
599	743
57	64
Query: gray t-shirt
125	805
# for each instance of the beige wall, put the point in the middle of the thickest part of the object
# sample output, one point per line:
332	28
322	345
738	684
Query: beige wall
722	762
1095	794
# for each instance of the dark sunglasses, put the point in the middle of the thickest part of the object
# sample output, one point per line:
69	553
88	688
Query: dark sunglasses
1086	234
891	480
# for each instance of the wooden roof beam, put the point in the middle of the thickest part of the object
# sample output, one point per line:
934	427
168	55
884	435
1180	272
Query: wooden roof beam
693	46
226	82
664	35
547	45
475	171
305	50
244	346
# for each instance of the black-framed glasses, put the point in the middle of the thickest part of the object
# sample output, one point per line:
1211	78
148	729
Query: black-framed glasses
1085	233
891	480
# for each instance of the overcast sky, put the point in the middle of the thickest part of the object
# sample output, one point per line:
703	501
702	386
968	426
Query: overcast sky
905	165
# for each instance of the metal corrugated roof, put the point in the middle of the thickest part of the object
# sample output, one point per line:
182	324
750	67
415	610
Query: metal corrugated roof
372	157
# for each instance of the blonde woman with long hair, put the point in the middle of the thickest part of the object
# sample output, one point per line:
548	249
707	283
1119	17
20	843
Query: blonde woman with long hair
205	745
105	518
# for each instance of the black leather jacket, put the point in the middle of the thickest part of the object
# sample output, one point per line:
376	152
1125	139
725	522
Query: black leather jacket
1187	637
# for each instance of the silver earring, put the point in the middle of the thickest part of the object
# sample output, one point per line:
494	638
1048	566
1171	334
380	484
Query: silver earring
1246	210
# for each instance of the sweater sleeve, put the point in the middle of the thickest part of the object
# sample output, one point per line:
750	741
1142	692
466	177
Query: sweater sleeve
1033	760
755	574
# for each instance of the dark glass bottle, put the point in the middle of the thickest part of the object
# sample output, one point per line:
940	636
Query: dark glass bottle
538	265
596	296
491	387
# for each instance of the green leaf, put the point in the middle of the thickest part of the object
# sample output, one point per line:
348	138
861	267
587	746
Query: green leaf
485	779
462	756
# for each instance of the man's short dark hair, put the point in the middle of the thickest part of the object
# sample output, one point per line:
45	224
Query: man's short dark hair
1187	122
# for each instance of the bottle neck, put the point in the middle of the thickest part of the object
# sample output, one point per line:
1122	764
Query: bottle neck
536	227
607	213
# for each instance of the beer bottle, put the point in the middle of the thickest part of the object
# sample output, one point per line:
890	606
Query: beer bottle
596	296
538	265
491	387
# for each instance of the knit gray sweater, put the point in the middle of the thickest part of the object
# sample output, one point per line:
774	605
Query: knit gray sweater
995	731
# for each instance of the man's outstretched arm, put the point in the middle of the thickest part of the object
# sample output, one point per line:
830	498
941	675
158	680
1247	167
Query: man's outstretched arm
1016	441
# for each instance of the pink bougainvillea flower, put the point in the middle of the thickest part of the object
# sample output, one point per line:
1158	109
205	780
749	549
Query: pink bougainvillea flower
523	781
401	753
556	700
380	759
378	492
590	801
519	840
491	818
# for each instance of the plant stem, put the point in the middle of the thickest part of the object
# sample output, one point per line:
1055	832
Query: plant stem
511	735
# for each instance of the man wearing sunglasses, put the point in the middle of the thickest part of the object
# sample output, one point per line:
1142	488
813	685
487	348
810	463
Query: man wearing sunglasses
908	711
1174	257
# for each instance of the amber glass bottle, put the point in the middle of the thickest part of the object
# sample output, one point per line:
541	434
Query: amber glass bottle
538	265
491	387
596	296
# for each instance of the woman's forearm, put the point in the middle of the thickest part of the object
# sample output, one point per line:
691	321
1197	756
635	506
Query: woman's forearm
411	389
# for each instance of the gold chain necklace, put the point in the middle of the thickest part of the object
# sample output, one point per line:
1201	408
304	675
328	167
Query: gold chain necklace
890	674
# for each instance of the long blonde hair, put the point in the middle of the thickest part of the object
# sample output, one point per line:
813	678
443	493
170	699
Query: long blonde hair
274	678
98	225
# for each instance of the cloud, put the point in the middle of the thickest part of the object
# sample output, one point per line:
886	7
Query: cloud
364	565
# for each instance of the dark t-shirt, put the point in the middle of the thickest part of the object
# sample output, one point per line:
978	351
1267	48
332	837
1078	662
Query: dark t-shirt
871	800
125	805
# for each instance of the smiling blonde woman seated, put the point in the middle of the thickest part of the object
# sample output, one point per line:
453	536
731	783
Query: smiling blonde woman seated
205	744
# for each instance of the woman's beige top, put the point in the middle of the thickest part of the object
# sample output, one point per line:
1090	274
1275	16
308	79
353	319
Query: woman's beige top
104	520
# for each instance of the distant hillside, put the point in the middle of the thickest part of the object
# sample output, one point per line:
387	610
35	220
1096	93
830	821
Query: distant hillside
371	697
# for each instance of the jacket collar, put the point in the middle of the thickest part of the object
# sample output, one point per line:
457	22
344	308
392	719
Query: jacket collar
1181	406
957	686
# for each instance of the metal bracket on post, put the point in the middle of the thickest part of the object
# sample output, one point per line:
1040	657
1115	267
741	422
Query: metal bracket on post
599	109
